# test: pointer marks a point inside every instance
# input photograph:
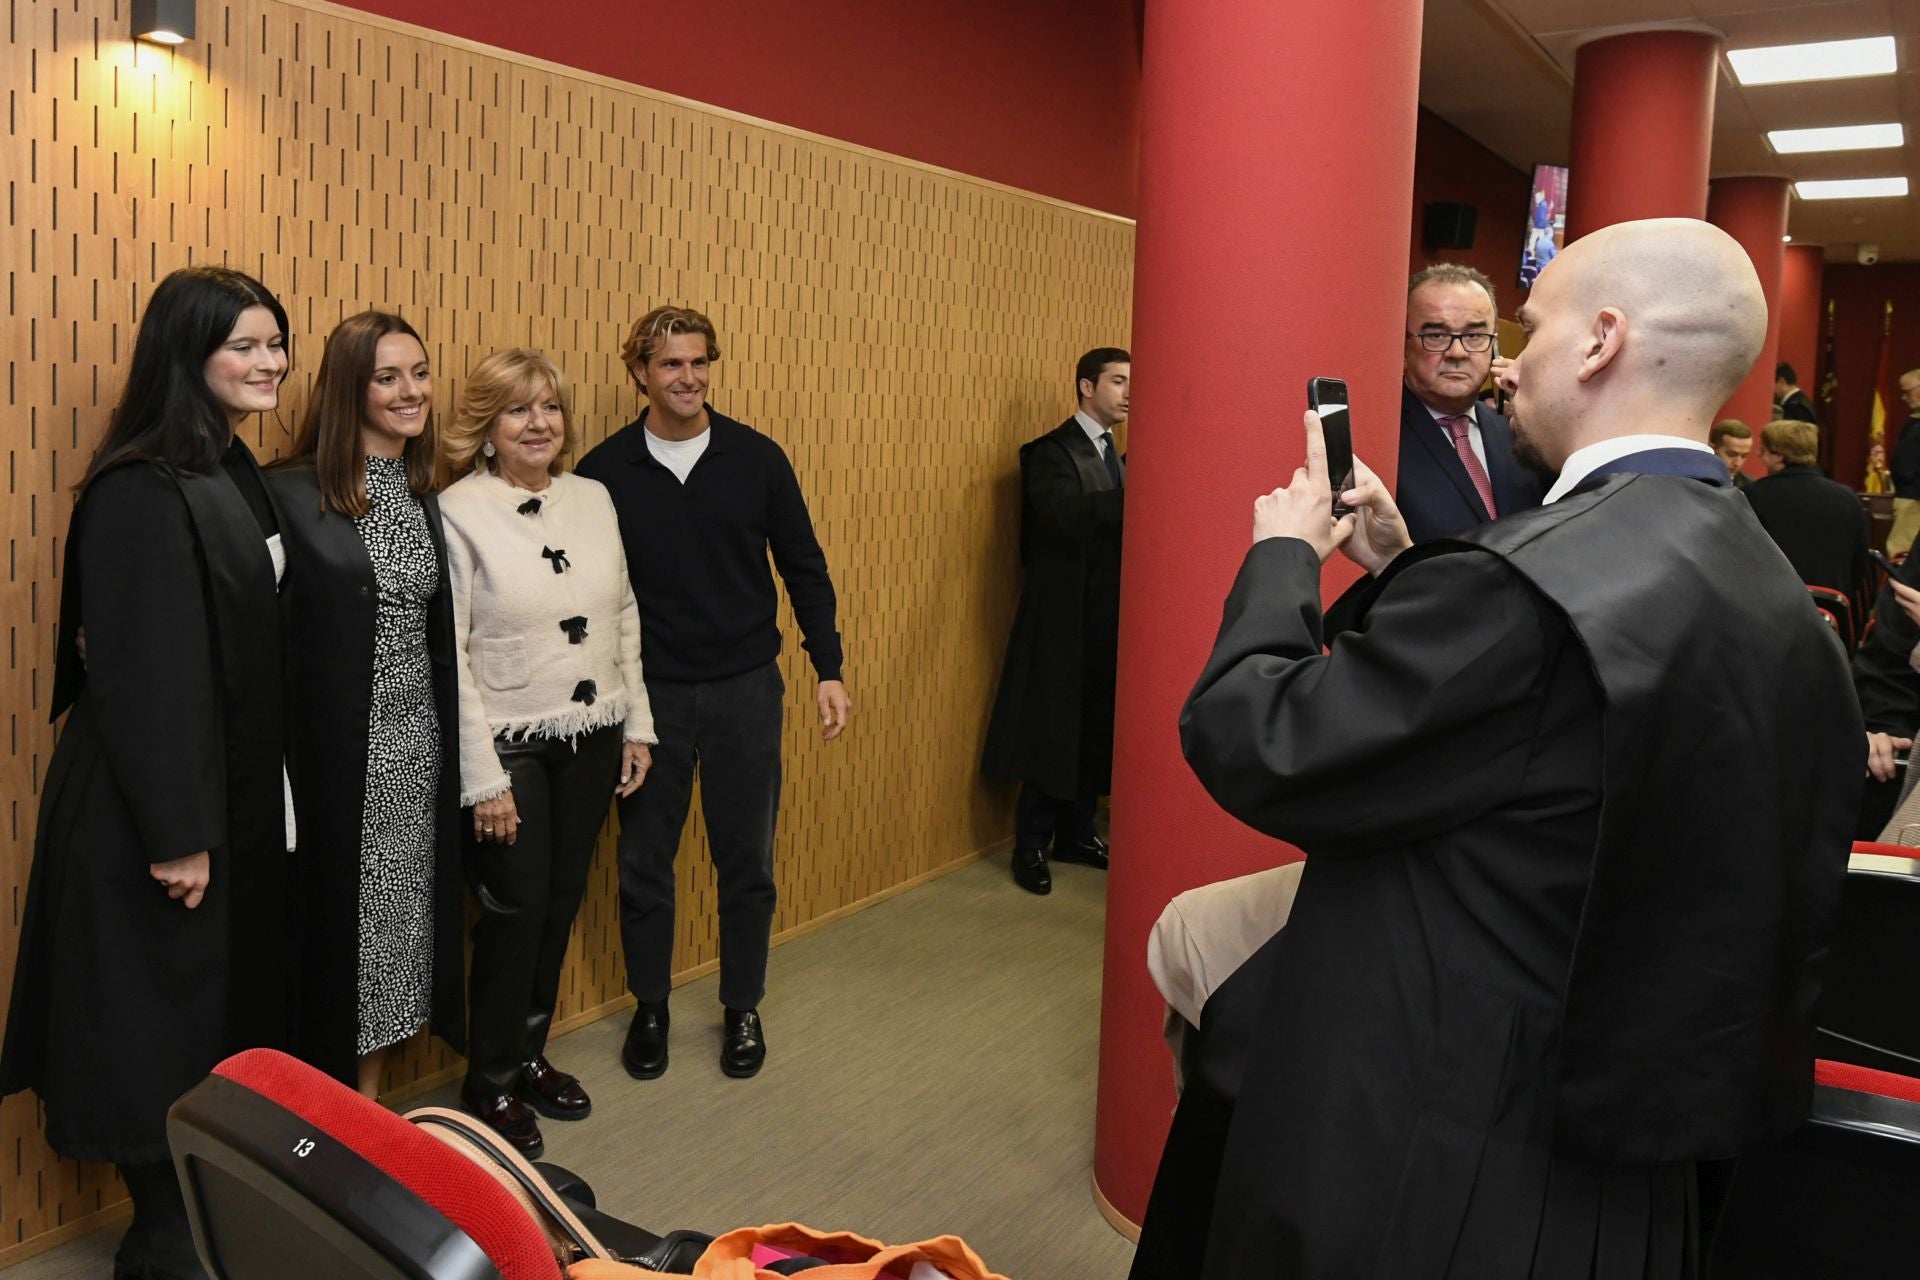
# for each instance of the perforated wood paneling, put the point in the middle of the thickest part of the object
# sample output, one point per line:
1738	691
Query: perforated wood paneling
899	330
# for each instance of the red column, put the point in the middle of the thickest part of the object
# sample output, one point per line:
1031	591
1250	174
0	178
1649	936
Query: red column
1642	128
1800	277
1277	166
1754	212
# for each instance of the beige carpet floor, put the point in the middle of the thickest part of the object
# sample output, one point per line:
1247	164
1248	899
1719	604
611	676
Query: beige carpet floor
931	1070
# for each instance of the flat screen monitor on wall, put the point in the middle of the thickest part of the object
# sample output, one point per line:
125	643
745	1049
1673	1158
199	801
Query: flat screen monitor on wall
1546	221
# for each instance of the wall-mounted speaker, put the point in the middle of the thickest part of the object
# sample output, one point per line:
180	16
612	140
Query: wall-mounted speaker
1449	225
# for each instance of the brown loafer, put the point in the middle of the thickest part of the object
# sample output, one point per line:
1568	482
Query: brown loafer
507	1116
554	1094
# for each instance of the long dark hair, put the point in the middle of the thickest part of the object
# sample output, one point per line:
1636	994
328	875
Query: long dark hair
166	413
329	435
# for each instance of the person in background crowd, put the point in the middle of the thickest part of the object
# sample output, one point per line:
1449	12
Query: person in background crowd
1818	524
1457	468
1732	439
1535	988
554	716
1878	479
702	500
1052	727
1793	402
1906	470
371	703
154	937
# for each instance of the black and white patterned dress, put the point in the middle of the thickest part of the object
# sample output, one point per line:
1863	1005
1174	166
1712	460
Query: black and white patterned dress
397	834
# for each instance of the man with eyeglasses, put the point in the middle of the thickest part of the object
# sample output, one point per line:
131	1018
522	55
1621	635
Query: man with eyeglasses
1457	468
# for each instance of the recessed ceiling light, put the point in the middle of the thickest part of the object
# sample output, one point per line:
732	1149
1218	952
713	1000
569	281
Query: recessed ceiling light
1786	239
1827	60
1850	188
1852	137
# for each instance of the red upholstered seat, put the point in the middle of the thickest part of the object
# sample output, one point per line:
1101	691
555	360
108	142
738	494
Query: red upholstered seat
458	1189
1844	1075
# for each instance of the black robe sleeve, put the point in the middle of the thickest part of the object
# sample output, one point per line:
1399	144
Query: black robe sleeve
150	668
1051	485
1413	725
1883	675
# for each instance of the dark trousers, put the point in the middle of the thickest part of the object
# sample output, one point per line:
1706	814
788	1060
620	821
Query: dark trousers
730	731
160	1239
529	893
1039	818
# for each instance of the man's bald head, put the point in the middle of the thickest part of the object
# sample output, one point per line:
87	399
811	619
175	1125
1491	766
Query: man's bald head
1641	327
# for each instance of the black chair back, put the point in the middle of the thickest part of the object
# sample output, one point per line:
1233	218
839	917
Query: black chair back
271	1197
1869	1010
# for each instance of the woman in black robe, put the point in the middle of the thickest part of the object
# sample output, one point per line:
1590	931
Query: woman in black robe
153	941
371	707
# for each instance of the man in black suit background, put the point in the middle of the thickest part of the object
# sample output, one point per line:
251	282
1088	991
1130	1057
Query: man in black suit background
1457	468
1818	524
1906	469
1052	727
1732	439
1793	402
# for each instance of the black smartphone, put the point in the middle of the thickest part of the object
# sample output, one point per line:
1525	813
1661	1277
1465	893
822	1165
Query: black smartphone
1880	558
1328	398
1499	392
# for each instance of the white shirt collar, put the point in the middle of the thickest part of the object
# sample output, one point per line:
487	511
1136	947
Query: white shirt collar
1093	429
1582	463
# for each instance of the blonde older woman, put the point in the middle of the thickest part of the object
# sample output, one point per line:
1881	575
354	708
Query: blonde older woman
553	715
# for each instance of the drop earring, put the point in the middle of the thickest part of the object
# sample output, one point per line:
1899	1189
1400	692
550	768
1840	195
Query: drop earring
487	448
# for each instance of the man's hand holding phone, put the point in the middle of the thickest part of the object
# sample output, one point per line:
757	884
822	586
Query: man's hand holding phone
1379	532
1304	508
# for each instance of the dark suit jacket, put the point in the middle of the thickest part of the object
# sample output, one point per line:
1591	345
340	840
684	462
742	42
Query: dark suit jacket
1796	407
1905	463
1821	528
1435	495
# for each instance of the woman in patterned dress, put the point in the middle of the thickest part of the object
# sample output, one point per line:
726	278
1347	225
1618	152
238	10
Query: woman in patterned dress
371	707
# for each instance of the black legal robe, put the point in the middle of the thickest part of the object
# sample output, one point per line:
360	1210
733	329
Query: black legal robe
329	599
1821	528
122	998
1052	722
1569	877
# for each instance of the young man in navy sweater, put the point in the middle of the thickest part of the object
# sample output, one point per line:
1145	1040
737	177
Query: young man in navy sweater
702	499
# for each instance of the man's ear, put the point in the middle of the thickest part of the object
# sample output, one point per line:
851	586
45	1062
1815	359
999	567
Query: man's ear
1084	387
637	373
1602	343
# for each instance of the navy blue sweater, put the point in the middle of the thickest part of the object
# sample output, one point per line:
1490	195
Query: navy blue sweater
697	553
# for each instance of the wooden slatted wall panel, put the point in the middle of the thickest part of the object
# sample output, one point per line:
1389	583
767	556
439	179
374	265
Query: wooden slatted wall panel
900	330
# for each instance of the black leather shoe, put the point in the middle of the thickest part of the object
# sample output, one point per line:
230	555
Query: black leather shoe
645	1053
1030	870
507	1116
745	1047
1091	852
554	1094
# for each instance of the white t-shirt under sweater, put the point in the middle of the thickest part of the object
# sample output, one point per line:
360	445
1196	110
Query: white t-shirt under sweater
546	632
678	456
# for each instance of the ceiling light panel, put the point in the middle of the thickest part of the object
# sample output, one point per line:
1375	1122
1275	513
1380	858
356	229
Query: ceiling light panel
1850	188
1852	137
1828	60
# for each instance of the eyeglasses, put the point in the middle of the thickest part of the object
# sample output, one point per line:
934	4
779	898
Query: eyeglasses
1438	340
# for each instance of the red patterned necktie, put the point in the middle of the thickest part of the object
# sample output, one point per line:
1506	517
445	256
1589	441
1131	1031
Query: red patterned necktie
1457	426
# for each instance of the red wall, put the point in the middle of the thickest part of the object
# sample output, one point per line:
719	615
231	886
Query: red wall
1038	94
1801	279
1859	296
1448	165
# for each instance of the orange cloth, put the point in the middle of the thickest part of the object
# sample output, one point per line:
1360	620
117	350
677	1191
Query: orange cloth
875	1261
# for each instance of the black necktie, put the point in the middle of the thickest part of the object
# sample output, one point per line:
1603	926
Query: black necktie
1108	456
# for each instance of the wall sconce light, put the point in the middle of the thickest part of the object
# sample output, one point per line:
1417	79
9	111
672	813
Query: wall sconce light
163	21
